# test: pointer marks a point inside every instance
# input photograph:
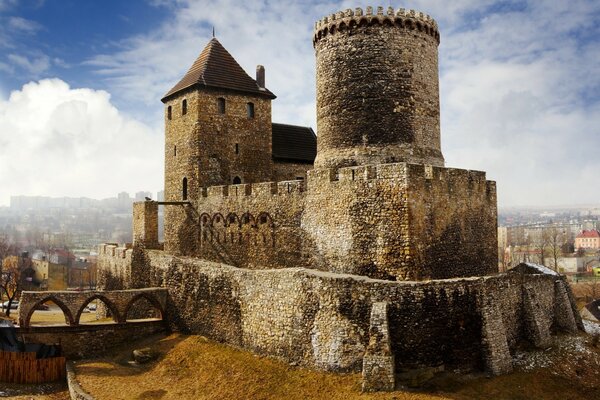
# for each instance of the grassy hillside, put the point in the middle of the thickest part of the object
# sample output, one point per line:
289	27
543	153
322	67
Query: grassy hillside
192	367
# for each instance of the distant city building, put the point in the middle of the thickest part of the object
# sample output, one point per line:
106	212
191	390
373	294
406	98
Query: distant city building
160	196
588	239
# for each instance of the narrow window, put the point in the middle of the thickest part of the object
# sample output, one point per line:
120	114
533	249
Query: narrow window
250	110
175	151
237	180
184	107
237	148
184	190
221	105
169	112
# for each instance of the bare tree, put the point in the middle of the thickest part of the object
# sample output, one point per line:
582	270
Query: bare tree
541	244
11	279
556	240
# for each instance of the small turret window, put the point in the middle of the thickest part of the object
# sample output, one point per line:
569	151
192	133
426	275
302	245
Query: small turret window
175	151
184	107
237	148
250	110
184	189
221	105
169	112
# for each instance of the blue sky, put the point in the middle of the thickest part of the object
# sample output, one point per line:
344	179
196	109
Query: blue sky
81	82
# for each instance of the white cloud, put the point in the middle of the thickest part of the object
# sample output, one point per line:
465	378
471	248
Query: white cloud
23	25
34	66
59	141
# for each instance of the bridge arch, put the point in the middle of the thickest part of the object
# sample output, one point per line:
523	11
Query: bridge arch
113	309
151	299
66	311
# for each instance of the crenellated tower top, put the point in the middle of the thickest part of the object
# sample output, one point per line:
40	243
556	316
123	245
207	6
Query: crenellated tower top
402	17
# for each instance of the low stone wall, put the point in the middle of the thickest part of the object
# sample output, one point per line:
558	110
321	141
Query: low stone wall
90	340
322	320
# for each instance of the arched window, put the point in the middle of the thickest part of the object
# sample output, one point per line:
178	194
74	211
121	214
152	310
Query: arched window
184	107
250	110
221	105
169	112
184	189
237	180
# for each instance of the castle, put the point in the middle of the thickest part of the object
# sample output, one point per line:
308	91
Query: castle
371	256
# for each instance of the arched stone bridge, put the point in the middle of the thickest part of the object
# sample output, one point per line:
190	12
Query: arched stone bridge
73	303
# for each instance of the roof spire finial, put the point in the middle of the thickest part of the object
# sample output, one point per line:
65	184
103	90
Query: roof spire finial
213	31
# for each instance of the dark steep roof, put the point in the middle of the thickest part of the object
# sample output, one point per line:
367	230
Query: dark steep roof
294	143
216	68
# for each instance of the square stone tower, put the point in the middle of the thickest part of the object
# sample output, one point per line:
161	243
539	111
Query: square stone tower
217	132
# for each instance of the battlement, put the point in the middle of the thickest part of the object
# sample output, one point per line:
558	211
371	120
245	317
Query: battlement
282	188
401	18
397	171
113	250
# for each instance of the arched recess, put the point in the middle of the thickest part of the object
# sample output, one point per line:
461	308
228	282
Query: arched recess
232	219
143	306
247	218
49	321
112	313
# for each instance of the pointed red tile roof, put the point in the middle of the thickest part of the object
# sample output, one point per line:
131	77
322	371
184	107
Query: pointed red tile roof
215	67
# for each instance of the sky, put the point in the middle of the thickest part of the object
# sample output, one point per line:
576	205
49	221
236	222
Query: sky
81	83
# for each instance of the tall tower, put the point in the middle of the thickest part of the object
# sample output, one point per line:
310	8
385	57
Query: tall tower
217	132
377	88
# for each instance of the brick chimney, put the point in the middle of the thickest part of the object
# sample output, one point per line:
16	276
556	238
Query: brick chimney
260	76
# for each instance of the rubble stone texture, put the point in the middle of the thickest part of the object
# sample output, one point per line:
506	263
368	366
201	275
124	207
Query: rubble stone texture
322	320
378	362
380	260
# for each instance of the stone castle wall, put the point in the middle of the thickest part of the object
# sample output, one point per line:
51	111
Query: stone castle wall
283	171
390	221
322	320
377	88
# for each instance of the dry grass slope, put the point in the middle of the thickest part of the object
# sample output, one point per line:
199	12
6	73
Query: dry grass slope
191	367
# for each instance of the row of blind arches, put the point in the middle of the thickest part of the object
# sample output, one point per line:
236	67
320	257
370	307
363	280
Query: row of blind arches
221	108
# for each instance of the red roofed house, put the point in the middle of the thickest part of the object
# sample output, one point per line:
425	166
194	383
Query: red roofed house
588	240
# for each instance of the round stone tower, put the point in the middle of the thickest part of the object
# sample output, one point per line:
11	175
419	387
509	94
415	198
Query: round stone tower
377	88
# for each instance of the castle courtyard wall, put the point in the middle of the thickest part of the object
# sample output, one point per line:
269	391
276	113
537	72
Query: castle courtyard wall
389	221
321	320
283	171
452	222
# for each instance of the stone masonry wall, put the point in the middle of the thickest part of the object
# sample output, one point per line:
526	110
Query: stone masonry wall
389	221
322	320
90	340
453	219
283	171
401	221
255	226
